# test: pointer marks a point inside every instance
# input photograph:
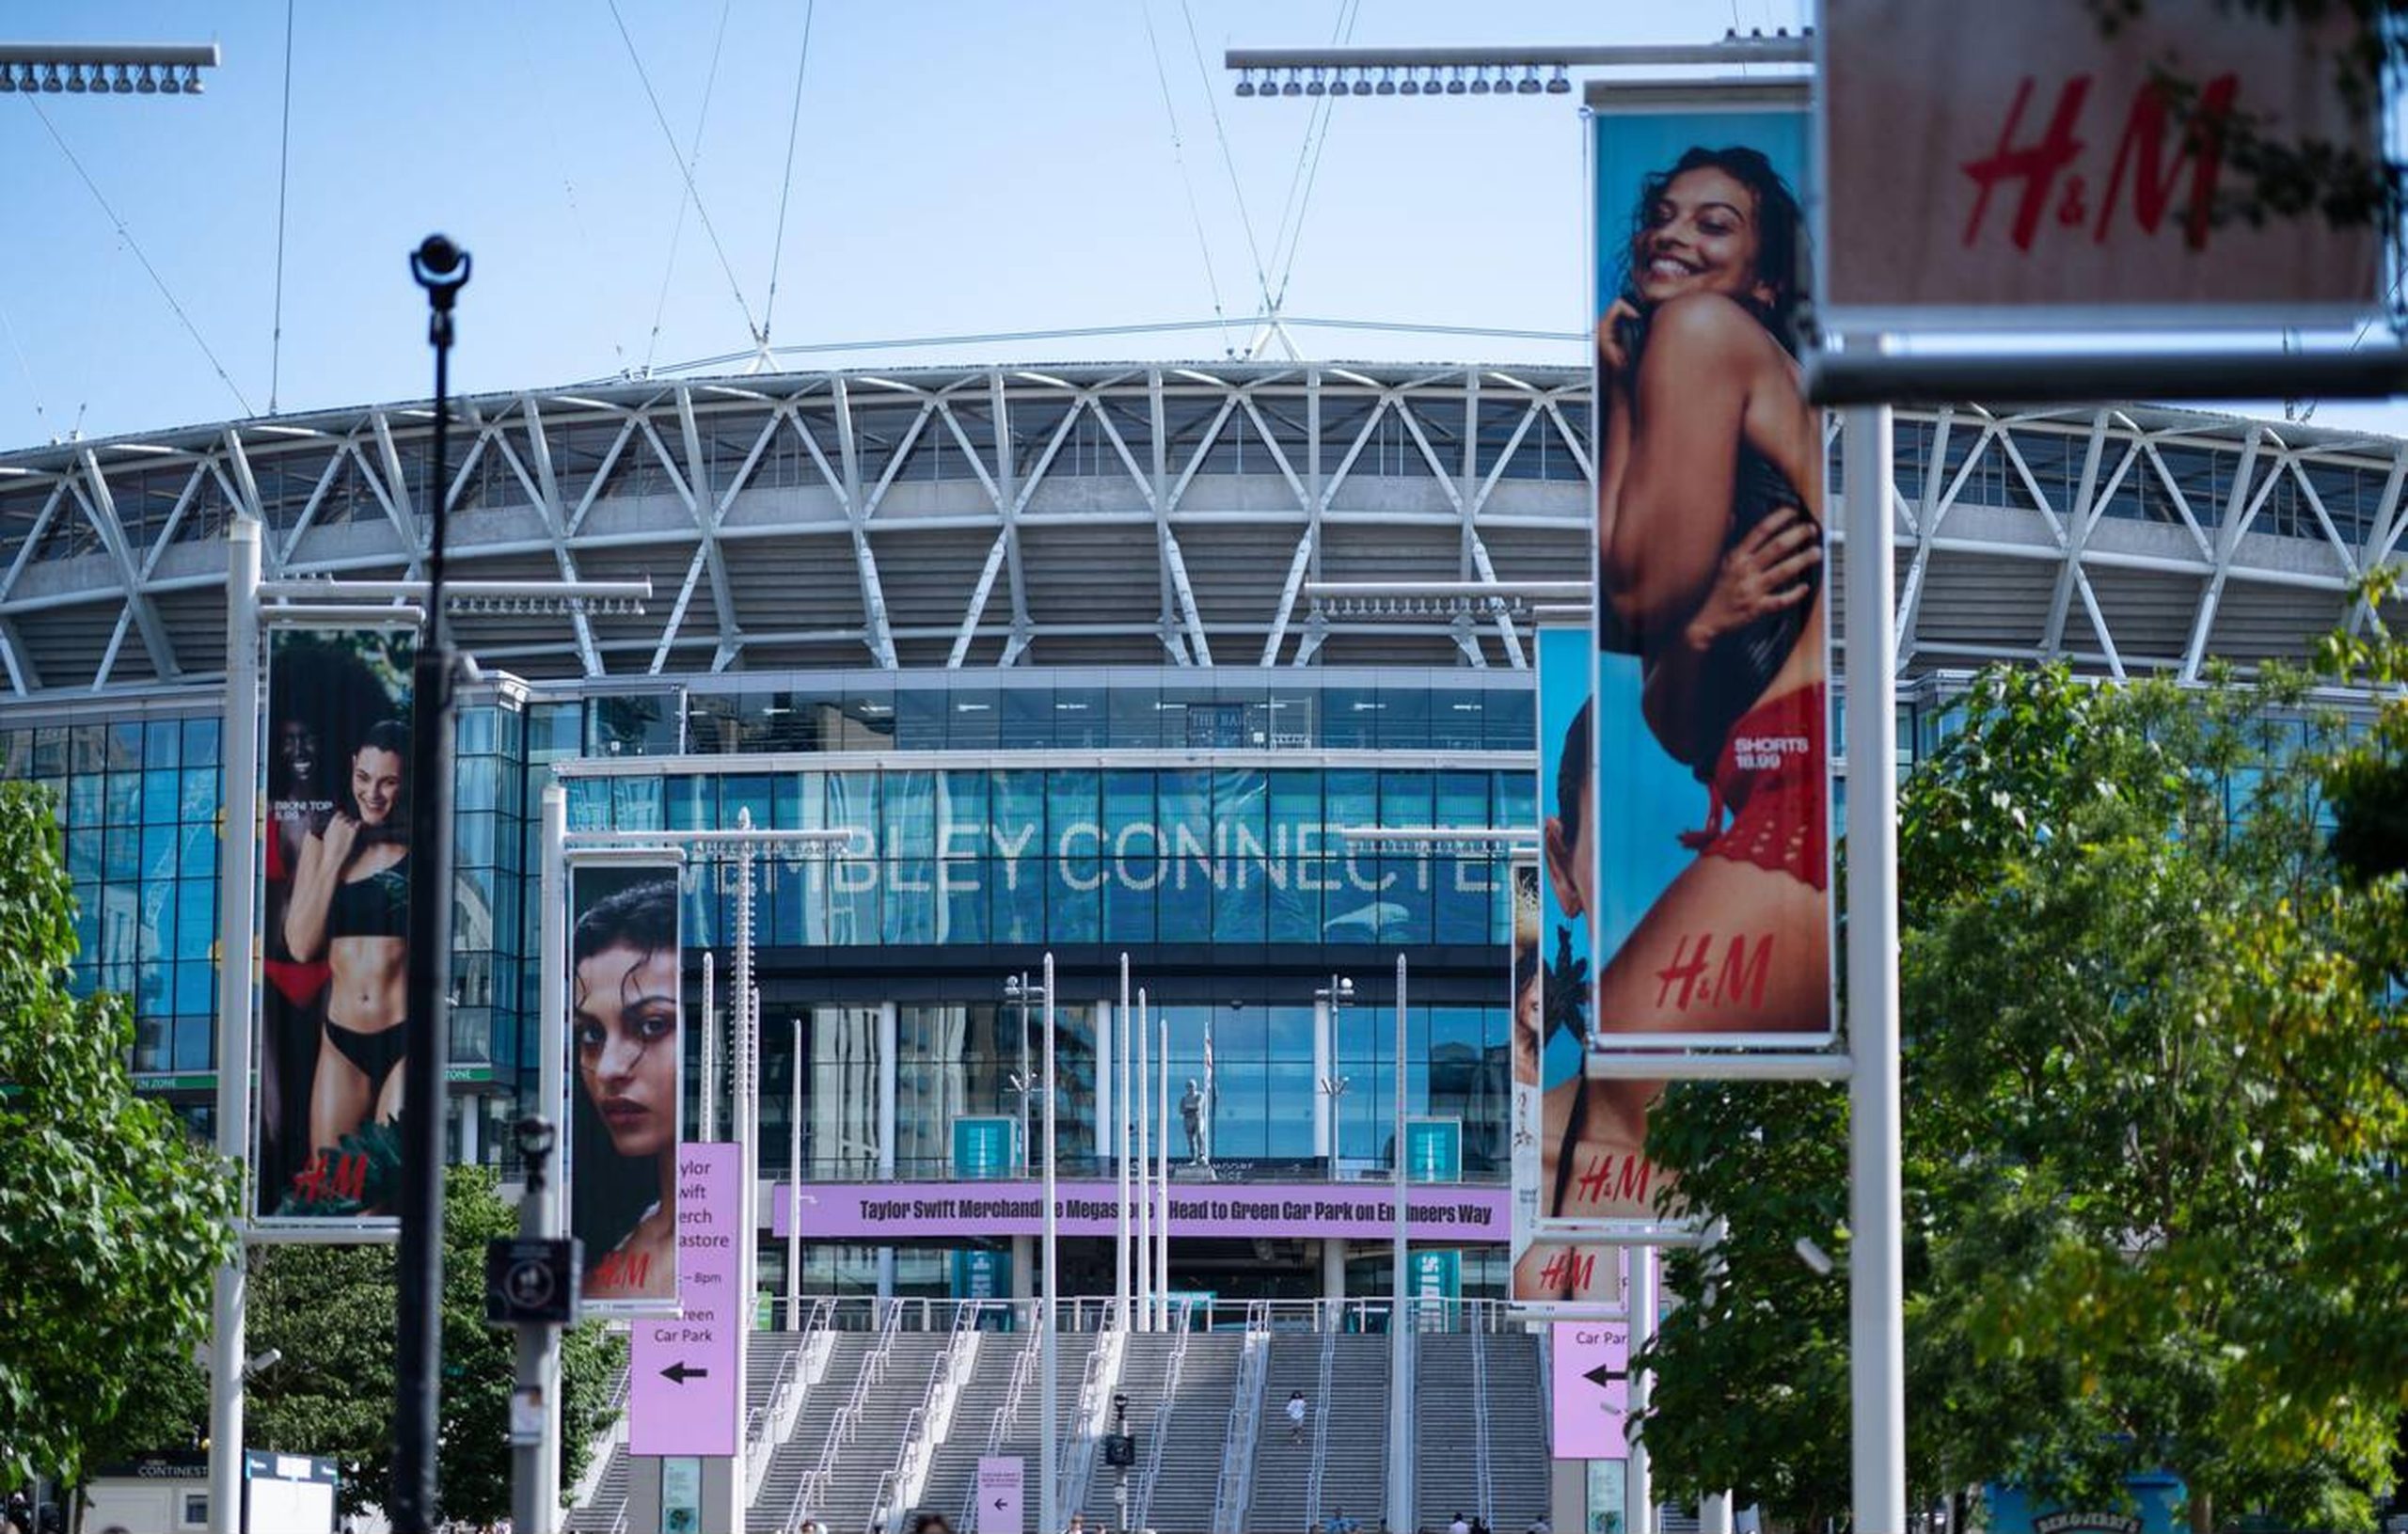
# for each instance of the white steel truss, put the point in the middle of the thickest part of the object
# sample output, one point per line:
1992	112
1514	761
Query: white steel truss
1146	514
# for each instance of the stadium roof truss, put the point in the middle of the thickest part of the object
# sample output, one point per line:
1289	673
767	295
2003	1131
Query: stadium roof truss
1151	514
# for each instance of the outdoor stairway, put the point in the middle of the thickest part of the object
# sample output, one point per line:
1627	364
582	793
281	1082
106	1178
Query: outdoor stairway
1355	1476
794	1458
886	1412
1446	1467
955	1468
1196	1429
1519	1457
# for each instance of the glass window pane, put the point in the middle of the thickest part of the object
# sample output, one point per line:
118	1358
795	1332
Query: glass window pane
974	719
1082	716
919	717
1136	715
1027	717
199	746
159	744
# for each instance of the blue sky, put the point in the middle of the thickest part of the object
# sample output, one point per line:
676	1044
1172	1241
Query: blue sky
961	167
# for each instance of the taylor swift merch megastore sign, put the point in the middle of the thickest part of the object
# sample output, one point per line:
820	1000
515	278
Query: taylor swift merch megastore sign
625	1080
1708	878
334	1019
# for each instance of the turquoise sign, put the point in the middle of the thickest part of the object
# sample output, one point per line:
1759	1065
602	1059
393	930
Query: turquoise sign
1434	1149
982	1148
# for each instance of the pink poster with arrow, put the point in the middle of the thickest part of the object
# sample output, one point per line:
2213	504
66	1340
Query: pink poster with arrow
684	1376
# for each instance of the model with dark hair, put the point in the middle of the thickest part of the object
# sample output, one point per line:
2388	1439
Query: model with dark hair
350	907
1709	546
623	987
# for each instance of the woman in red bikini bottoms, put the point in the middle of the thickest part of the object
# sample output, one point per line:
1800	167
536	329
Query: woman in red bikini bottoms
1709	541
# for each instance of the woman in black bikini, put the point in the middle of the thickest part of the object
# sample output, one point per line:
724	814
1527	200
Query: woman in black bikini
350	906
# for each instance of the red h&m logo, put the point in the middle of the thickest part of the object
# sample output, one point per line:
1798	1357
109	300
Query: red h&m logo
2153	152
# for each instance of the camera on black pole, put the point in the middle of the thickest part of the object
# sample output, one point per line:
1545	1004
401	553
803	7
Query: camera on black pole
532	1280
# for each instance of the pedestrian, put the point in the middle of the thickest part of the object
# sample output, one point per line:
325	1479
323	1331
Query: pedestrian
1297	1411
1459	1526
1339	1524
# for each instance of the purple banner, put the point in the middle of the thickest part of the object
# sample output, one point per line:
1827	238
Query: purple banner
889	1210
1591	1389
685	1391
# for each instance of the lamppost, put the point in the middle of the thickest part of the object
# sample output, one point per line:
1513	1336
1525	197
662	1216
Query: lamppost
1019	989
1400	1498
1333	1087
1024	1084
1326	1000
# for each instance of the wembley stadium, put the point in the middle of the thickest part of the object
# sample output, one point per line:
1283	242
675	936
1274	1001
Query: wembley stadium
1056	641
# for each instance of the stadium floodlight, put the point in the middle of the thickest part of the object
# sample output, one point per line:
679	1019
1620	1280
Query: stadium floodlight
1501	71
104	69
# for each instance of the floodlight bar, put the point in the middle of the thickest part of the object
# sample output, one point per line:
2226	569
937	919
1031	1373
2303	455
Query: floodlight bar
105	67
1487	72
344	615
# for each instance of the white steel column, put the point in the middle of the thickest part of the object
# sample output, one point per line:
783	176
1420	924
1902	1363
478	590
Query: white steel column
1638	1485
1144	1255
707	1097
1877	1327
1324	1125
237	845
1049	1320
1124	1043
794	1186
1162	1179
1400	1498
886	1068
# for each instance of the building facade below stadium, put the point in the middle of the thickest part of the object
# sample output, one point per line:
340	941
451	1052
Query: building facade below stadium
1041	639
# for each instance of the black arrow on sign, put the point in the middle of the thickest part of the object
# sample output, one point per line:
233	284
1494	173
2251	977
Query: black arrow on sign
999	1504
1604	1375
681	1371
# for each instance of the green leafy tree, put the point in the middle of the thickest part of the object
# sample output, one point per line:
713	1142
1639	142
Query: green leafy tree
112	1218
330	1311
2108	1200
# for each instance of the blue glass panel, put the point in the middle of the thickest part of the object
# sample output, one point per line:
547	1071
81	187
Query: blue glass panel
196	850
852	902
1464	899
974	719
197	795
1511	720
1403	716
196	988
852	805
1135	715
1073	899
636	803
919	717
154	932
910	900
789	802
199	742
1463	800
193	1048
1131	875
124	794
121	852
196	918
85	797
1081	717
473	731
1288	1091
1517	799
742	794
125	745
1458	719
1027	717
589	804
1404	798
1349	717
909	822
87	921
159	850
476	783
1016	889
84	849
961	898
159	744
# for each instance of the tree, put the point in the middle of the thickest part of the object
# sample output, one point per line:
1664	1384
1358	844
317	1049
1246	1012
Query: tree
2108	1197
330	1309
112	1218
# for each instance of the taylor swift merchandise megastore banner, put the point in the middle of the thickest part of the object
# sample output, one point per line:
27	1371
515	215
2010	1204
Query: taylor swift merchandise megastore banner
334	1008
1709	875
626	1084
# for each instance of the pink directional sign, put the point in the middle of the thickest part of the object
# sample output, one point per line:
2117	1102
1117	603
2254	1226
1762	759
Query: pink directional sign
1239	1211
1591	1390
685	1386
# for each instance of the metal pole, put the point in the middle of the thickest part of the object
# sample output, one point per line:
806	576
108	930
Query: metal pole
536	1474
1399	1354
1120	1254
1048	1403
1162	1183
1639	1487
1324	1074
1876	1284
238	845
442	269
1144	1255
794	1183
707	1098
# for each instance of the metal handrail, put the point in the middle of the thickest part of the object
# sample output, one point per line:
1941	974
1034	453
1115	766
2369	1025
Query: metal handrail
1479	1425
1321	1427
847	1422
1229	1493
1078	1455
1165	1409
1005	1417
930	1419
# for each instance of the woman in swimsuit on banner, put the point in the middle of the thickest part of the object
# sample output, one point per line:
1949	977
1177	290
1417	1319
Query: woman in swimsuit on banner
350	906
1709	543
1709	539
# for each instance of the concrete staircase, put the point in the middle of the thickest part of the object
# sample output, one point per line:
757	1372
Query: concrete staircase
953	1474
1452	1416
1194	1430
886	1411
794	1458
1351	1437
1520	1461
